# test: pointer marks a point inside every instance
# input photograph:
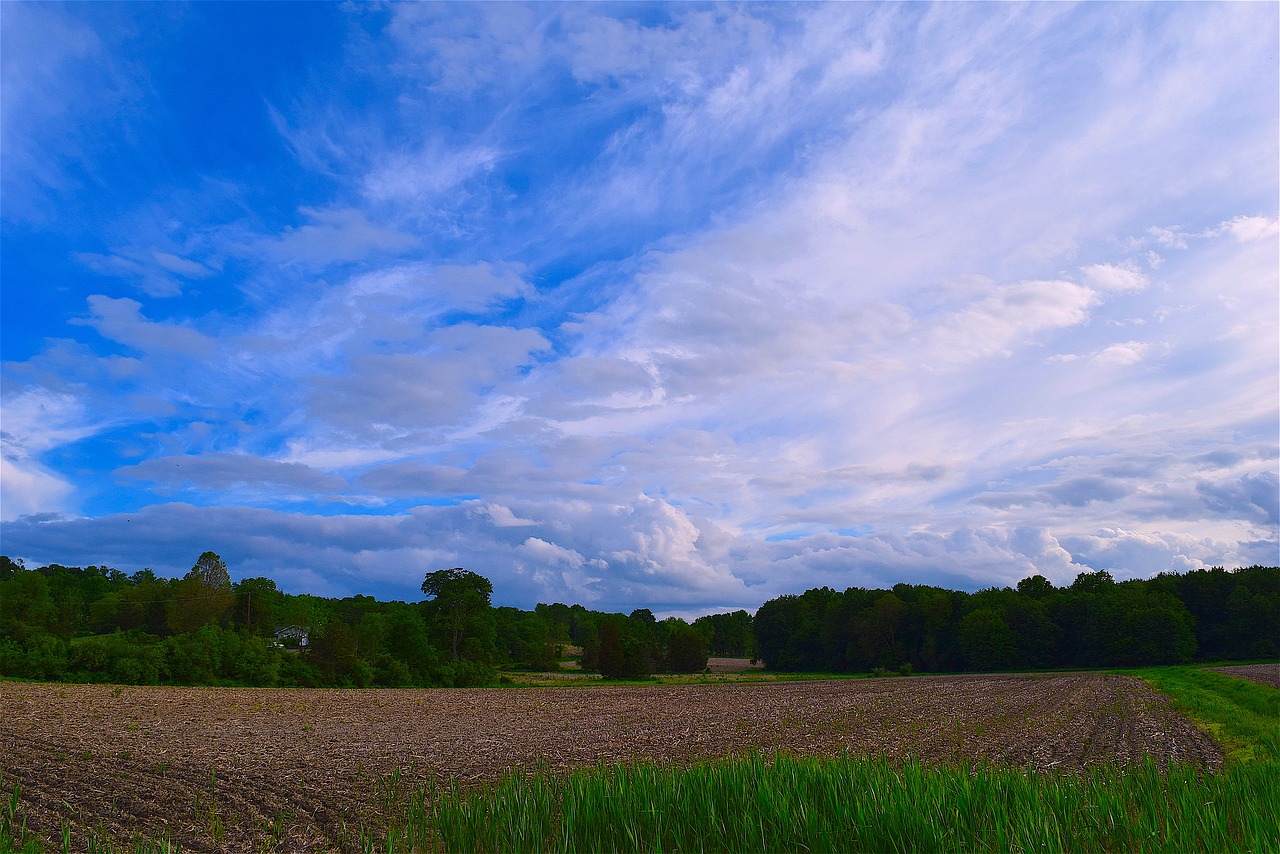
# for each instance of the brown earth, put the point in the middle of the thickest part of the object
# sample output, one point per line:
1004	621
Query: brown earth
1266	674
244	769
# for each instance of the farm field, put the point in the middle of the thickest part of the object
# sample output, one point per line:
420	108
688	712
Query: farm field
241	769
1263	674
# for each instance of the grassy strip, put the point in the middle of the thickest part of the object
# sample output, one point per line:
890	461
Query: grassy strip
789	803
1242	716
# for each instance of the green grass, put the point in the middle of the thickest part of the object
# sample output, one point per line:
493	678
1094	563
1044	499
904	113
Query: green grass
790	803
1242	716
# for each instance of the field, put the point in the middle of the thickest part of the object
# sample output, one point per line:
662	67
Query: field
237	769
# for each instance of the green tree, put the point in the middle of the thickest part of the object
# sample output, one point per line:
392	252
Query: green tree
986	641
686	651
459	600
612	658
204	595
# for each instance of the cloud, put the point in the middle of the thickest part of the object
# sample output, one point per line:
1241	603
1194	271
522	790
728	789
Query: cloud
1079	491
502	517
334	235
1135	554
155	271
34	422
1112	277
1128	353
223	471
1252	496
437	386
549	553
1250	228
121	320
31	488
427	176
991	326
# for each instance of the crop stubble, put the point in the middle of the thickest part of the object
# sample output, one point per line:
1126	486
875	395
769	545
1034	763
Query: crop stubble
193	764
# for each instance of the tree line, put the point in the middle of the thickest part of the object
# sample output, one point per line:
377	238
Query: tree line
99	624
1207	614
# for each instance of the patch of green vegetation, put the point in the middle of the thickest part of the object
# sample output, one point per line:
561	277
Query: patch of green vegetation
14	836
789	803
1242	716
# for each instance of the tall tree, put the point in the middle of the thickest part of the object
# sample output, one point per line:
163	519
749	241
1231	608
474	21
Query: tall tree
203	595
458	597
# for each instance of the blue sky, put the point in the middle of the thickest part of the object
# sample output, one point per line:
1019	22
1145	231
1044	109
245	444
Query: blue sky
670	306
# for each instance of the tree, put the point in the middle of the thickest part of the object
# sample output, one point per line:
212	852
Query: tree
986	640
458	597
1037	587
612	661
686	651
211	571
203	595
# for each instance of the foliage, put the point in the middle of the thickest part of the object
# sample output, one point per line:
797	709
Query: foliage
1208	614
686	651
460	605
96	624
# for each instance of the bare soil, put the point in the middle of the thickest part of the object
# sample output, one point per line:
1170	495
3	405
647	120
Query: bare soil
1266	674
219	769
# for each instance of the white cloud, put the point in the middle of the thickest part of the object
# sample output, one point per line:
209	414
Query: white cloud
1127	353
153	270
1113	277
425	177
1249	228
334	235
121	320
1000	320
34	422
503	517
30	488
542	551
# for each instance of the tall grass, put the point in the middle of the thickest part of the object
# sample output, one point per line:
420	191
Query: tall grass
791	803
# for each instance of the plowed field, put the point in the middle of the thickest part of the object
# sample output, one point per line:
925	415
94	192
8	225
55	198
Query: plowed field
1263	674
243	769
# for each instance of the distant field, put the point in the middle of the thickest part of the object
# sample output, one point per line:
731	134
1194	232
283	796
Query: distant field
239	769
1263	674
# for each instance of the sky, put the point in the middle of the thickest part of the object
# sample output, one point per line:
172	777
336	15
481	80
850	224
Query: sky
669	306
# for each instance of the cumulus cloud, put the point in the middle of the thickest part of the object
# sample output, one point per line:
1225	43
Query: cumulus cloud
1249	228
1113	277
503	517
1127	353
1136	554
